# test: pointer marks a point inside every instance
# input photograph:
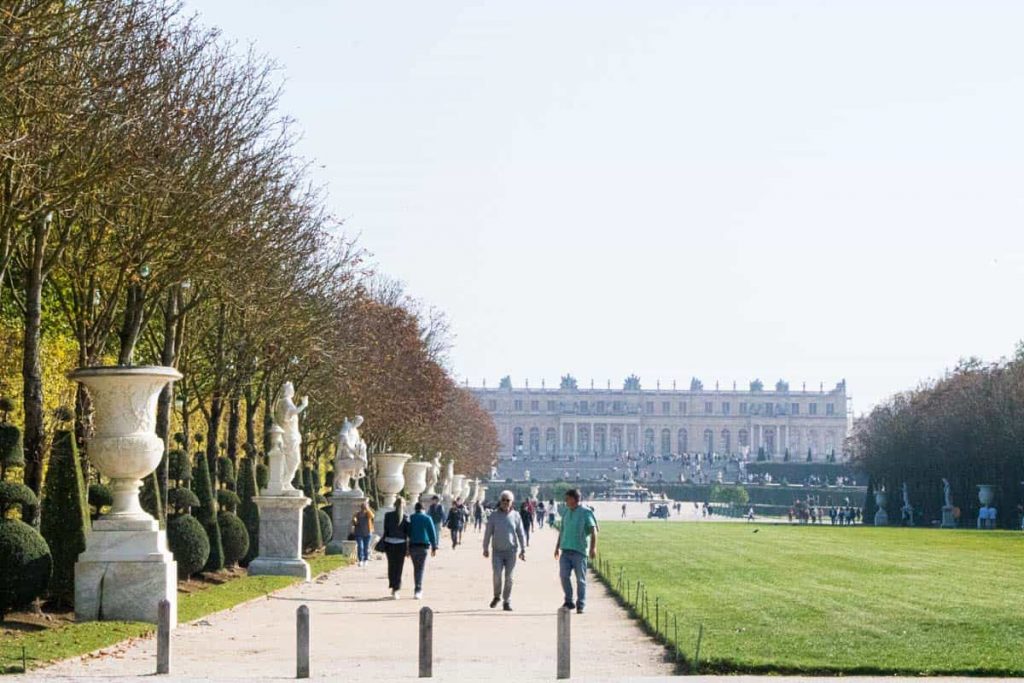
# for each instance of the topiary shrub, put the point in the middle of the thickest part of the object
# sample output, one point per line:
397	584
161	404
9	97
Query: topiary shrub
234	536
206	513
65	515
17	495
312	539
226	472
149	496
189	543
227	500
11	452
26	563
262	476
181	499
326	526
247	510
100	496
179	469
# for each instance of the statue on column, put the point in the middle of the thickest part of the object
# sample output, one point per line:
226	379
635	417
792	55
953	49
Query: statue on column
286	418
446	480
350	459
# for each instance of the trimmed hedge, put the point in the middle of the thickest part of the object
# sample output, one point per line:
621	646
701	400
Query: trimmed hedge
312	537
206	513
262	476
26	563
65	514
226	472
180	499
234	536
227	500
11	452
179	468
326	526
189	543
100	496
13	495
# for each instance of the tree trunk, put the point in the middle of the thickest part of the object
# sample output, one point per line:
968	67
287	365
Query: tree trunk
234	417
31	366
132	323
268	417
168	356
213	431
251	403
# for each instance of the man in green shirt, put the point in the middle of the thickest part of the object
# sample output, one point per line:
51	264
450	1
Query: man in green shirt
577	541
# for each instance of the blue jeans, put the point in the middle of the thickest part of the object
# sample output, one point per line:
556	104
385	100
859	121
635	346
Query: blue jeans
363	548
571	562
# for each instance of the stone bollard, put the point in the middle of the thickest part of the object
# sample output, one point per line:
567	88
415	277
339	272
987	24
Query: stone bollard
163	637
302	642
564	632
426	642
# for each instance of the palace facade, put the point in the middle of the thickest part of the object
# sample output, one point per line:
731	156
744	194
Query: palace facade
569	421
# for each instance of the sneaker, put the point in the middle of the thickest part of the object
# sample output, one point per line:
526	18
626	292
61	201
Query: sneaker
568	605
579	609
395	595
507	606
494	602
418	595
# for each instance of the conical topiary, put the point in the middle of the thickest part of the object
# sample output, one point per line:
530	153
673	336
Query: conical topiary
65	514
206	513
149	497
248	512
226	472
11	452
312	536
234	536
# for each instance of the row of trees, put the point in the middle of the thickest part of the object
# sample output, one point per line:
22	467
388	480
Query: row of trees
153	211
966	427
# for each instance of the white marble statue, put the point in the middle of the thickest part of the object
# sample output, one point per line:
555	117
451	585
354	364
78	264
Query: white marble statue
446	480
286	417
350	460
908	509
946	493
433	476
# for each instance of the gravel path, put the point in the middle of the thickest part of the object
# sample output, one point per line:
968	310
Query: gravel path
360	633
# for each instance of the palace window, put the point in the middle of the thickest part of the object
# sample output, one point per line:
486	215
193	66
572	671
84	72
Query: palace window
812	408
682	408
726	408
600	407
616	407
649	407
492	405
708	407
683	439
552	406
769	409
535	406
517	404
830	408
666	407
794	408
584	407
743	407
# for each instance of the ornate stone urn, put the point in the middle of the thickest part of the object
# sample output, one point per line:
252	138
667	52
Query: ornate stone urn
471	485
390	479
534	491
881	516
415	474
458	486
985	494
126	568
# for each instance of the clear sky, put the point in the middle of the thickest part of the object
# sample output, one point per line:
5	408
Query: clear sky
728	190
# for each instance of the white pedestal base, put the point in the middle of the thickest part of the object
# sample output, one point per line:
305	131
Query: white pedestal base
344	506
881	518
948	521
280	551
124	573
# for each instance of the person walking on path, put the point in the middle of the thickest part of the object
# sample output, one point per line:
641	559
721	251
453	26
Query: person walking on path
577	541
422	536
503	536
456	521
478	516
362	529
396	544
526	515
436	512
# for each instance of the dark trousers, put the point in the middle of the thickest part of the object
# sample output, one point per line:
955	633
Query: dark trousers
396	563
456	536
418	553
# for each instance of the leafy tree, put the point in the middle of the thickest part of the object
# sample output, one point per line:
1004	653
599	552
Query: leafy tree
206	513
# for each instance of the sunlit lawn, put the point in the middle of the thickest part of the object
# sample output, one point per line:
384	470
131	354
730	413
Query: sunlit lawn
829	599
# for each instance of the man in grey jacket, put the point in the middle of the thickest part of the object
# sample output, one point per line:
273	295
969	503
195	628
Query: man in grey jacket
503	536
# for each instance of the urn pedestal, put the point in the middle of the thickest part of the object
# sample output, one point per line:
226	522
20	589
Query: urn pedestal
126	568
458	486
948	521
344	506
881	516
280	545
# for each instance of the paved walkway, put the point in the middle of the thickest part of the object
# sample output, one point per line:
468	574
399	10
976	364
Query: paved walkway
360	633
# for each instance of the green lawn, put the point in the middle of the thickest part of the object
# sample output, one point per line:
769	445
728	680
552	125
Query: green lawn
75	639
792	599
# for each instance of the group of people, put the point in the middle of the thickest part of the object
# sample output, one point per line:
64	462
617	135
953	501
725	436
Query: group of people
505	540
812	514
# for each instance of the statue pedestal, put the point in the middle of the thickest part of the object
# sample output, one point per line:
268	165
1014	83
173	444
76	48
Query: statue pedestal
280	552
344	506
881	518
947	517
124	573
